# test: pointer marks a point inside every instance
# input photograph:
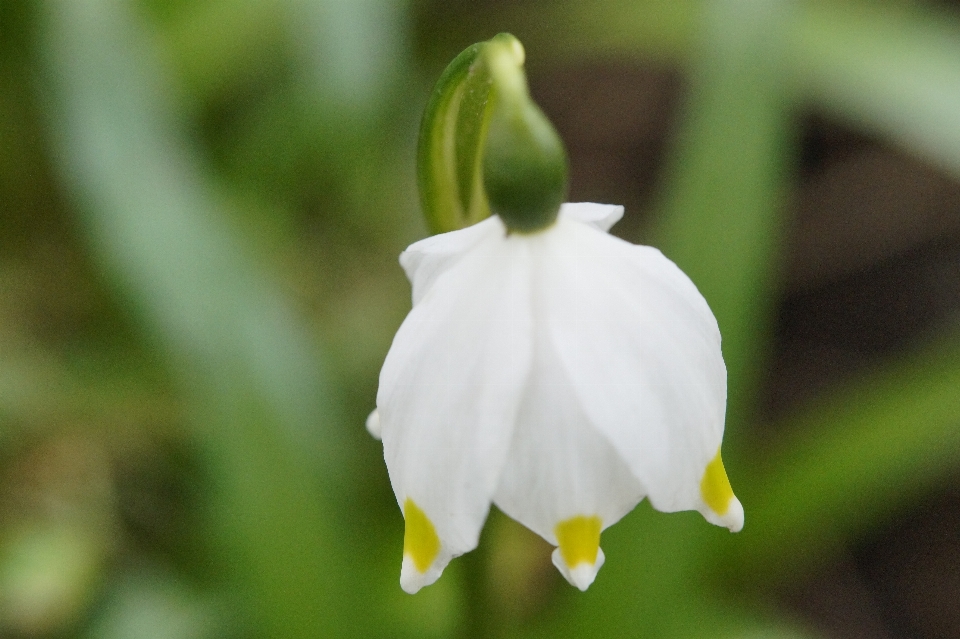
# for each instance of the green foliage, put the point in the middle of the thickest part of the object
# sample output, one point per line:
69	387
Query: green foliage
200	209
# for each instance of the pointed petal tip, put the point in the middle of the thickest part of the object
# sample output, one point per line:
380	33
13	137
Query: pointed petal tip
412	580
720	505
373	424
601	216
581	575
731	519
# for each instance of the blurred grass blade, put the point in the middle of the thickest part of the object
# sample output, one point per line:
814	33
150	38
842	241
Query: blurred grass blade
721	222
151	604
352	52
213	45
450	149
853	461
258	403
661	30
895	71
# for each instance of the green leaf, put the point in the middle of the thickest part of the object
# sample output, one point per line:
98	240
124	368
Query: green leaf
852	460
894	72
721	222
258	406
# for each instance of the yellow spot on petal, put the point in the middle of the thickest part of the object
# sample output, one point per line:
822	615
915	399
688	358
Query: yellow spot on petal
579	539
420	541
715	487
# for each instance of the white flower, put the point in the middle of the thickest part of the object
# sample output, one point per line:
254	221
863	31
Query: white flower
563	375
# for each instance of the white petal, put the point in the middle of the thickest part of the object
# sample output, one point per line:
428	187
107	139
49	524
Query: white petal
560	467
412	580
731	519
581	575
373	424
451	386
601	216
720	506
427	259
642	351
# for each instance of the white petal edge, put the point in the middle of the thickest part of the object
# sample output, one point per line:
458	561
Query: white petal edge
426	260
373	424
643	352
559	466
601	216
732	519
451	385
412	580
583	574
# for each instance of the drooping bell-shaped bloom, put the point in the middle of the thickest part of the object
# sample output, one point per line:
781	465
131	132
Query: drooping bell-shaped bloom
563	375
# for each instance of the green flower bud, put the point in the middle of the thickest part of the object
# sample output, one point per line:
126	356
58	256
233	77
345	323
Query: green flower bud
525	164
486	147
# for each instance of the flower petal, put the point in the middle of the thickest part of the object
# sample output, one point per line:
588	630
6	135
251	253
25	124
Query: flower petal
722	506
562	478
642	351
373	424
427	259
583	573
601	216
449	392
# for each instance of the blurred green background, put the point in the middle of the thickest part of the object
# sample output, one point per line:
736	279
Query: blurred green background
201	207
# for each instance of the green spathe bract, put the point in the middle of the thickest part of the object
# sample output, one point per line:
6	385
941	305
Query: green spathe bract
486	147
448	153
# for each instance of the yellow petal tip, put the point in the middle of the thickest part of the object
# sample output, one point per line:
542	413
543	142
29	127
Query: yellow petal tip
578	556
579	539
718	495
420	541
